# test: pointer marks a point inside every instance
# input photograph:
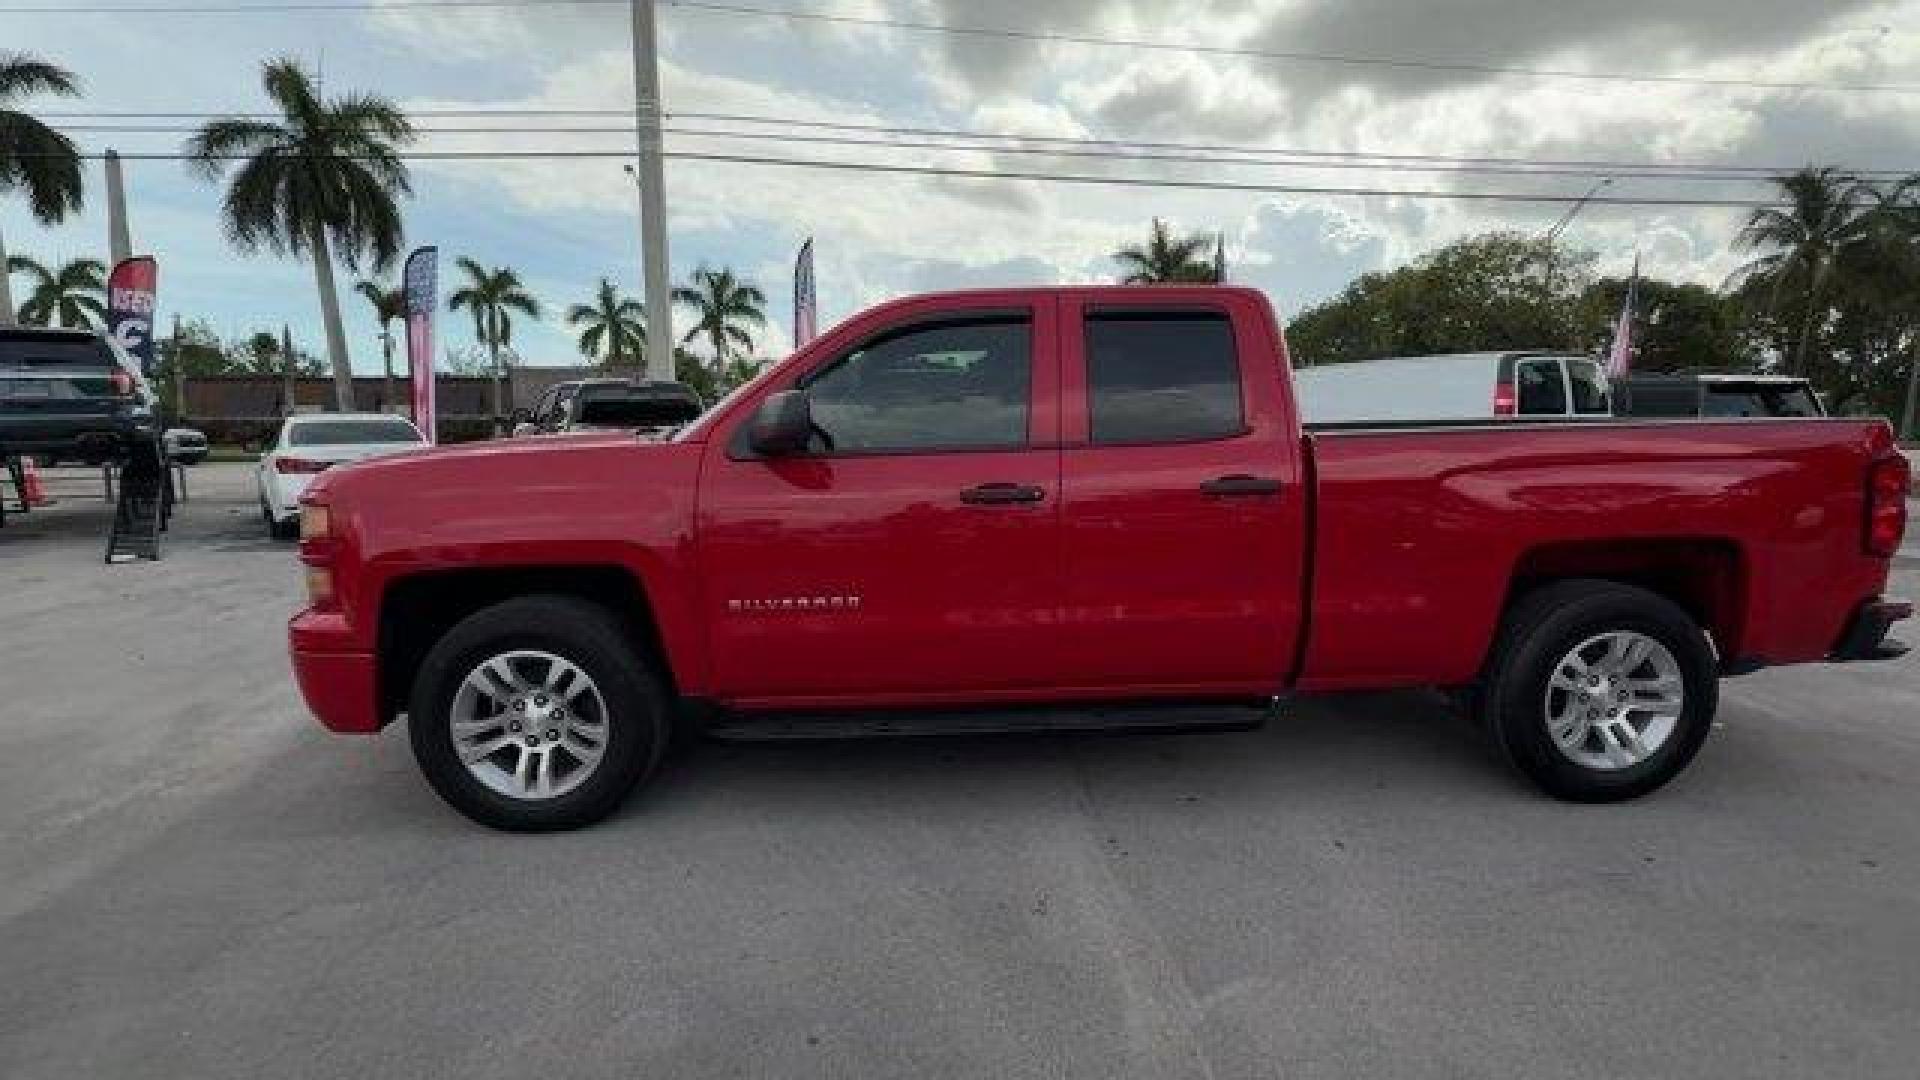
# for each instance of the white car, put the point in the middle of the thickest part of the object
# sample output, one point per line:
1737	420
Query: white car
311	444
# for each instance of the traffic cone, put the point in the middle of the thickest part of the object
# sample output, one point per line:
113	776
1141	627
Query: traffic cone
32	491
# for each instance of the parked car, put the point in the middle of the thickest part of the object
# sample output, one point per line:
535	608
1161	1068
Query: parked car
67	395
186	445
651	406
1066	508
311	443
1455	386
1714	394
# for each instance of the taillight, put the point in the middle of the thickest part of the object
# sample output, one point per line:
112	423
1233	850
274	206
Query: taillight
1887	505
299	465
122	382
1504	401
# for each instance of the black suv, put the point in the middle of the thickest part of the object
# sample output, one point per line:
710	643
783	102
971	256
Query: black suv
65	396
1713	394
654	407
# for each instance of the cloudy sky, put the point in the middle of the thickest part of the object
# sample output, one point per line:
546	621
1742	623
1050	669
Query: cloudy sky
1266	75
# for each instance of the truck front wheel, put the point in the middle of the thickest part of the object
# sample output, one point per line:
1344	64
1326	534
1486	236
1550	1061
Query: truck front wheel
536	714
1599	691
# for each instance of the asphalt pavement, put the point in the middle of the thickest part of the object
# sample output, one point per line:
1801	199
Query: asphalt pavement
196	881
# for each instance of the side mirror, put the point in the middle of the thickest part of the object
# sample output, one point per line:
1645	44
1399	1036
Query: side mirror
783	425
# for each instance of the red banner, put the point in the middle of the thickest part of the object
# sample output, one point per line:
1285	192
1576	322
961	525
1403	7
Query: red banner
130	295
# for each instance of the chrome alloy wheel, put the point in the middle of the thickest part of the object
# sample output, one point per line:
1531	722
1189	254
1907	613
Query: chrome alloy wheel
529	725
1614	700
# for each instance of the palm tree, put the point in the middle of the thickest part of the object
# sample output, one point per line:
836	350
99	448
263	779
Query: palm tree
389	305
728	308
34	158
1165	259
492	296
72	296
324	180
613	321
1826	212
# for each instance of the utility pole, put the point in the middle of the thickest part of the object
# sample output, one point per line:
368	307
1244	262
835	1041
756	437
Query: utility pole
119	240
179	375
653	195
287	364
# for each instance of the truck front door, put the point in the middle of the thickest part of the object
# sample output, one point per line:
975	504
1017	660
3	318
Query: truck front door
913	553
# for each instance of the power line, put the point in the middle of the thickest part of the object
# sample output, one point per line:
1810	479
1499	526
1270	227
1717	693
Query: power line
1050	177
1270	158
1586	166
1005	33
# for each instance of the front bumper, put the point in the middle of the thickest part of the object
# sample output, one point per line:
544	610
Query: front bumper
341	688
1865	637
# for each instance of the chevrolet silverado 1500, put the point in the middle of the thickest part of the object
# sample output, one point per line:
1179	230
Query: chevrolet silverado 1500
1075	507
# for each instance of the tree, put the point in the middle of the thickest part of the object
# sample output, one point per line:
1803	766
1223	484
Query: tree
1898	225
728	309
1483	292
1677	325
1166	259
493	296
34	158
1826	213
613	325
324	180
72	296
261	353
389	305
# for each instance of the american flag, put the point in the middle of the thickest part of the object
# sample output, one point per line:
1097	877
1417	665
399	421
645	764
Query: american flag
421	281
804	318
1620	357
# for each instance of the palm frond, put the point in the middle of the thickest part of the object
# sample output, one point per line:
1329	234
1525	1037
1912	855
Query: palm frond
22	74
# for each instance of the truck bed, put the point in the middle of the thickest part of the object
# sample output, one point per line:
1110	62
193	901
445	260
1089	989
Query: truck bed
1421	531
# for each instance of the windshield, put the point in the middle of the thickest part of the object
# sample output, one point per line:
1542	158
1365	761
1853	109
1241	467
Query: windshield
390	429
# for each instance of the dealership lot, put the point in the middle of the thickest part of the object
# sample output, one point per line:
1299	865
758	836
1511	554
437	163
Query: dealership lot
196	881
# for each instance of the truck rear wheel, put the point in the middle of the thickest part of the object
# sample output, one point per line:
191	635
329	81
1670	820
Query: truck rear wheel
1599	691
536	714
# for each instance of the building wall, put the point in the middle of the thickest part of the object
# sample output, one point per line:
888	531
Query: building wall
247	409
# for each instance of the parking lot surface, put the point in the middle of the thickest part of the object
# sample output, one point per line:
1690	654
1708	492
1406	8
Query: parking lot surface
196	881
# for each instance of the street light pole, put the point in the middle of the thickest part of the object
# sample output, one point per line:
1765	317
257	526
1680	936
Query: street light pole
1553	234
653	196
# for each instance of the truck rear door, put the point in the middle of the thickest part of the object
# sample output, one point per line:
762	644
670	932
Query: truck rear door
1184	503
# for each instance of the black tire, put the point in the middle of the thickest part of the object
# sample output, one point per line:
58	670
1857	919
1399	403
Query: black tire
586	635
281	530
1542	628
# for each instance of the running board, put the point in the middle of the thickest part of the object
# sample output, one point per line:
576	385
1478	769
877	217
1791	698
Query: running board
789	727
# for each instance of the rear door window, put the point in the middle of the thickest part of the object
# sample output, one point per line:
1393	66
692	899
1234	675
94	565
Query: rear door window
36	353
350	432
1162	376
1589	388
1749	400
1542	386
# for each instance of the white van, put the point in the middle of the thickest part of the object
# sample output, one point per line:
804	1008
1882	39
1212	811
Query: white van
1453	387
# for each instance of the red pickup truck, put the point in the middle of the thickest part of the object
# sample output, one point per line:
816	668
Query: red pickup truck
1074	507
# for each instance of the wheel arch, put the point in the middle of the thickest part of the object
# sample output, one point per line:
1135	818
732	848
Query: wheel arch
417	609
1705	576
